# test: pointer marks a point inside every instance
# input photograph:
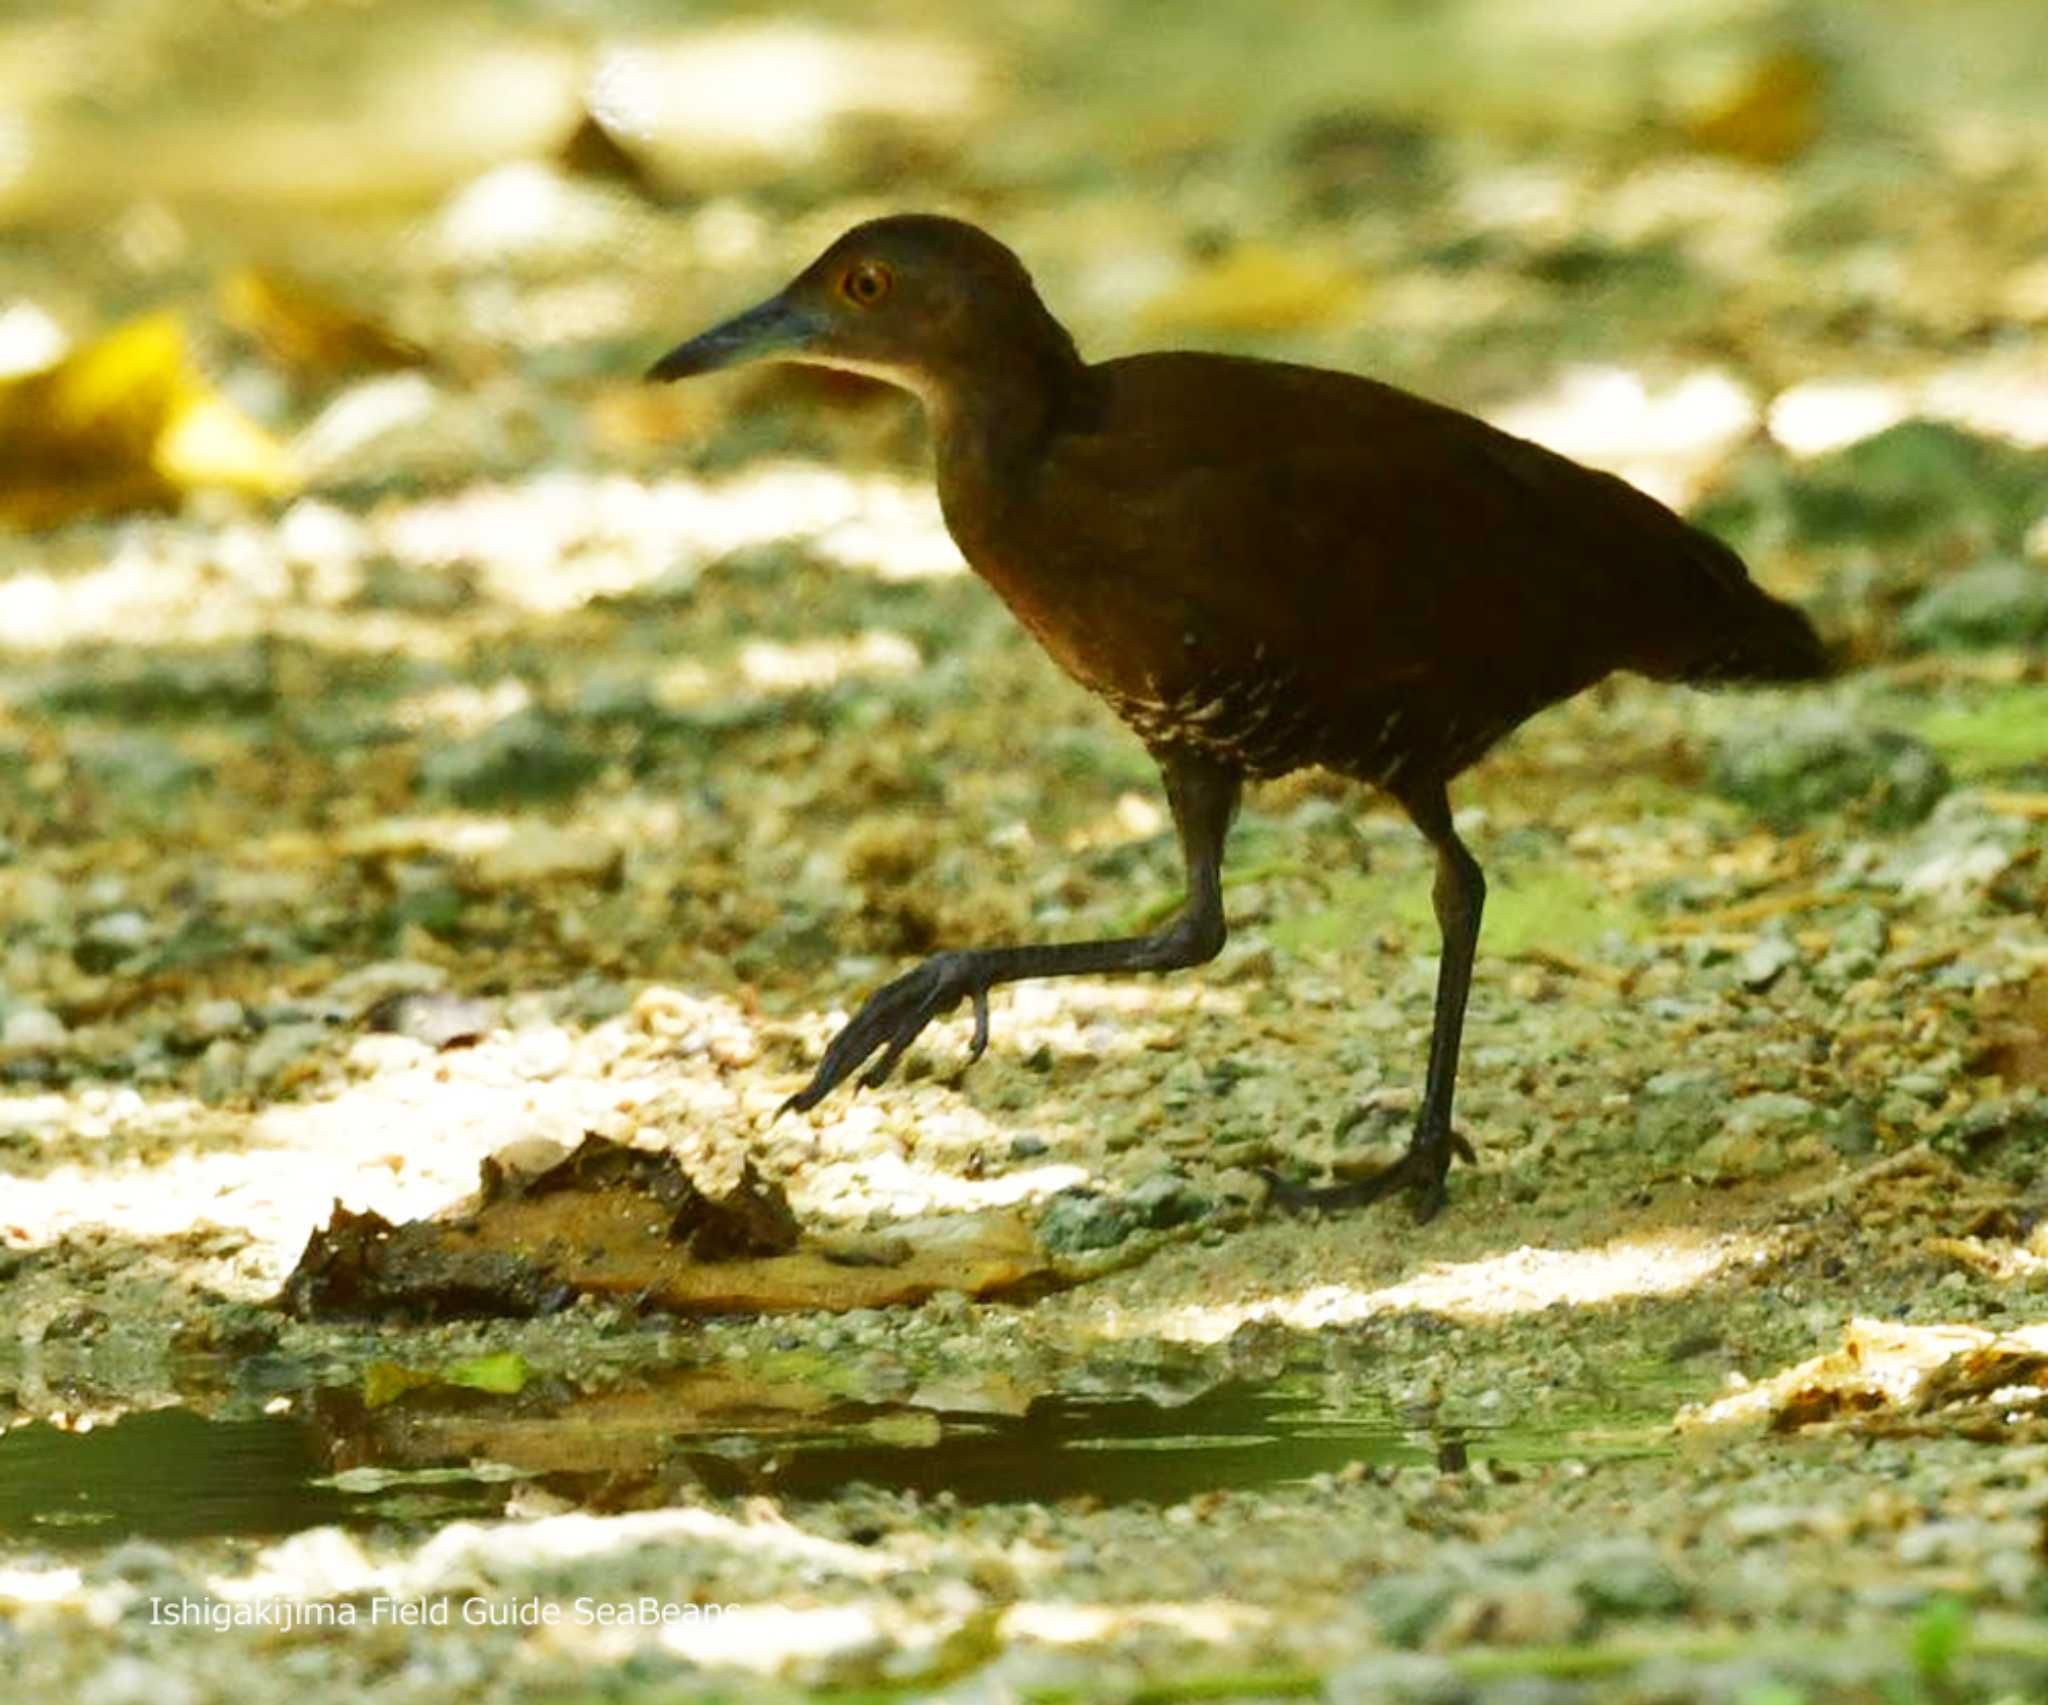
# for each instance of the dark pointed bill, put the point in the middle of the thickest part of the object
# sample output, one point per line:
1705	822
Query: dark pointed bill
776	327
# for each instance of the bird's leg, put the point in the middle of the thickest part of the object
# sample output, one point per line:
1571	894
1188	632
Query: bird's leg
1204	798
1460	897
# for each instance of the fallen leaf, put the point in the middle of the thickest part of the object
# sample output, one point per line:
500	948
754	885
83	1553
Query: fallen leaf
1257	288
621	1222
591	150
1770	115
127	422
504	1375
303	330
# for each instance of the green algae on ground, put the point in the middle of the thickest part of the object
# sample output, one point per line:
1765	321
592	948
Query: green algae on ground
2003	730
1528	906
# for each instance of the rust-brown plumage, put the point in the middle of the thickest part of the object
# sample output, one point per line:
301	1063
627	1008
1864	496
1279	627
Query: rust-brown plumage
1258	567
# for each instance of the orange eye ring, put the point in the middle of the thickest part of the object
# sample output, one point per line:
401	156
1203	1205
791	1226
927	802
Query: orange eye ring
866	284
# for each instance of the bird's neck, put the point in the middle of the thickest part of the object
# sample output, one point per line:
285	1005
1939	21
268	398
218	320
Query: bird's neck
992	414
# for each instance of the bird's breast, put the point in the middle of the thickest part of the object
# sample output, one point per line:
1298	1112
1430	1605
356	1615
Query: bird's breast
1173	669
1257	716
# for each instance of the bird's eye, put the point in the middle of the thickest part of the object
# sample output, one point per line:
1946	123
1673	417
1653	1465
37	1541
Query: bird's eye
866	284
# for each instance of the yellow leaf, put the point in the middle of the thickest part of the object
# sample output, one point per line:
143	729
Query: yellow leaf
210	442
127	422
387	1382
1771	114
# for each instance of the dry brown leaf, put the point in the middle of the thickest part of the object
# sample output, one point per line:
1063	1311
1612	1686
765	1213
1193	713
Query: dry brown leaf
304	330
616	1221
1771	115
1891	1377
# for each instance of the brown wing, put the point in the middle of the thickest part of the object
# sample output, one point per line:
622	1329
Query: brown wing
1324	504
1292	565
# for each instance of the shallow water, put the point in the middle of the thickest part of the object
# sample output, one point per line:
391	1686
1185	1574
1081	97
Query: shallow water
171	1474
166	1474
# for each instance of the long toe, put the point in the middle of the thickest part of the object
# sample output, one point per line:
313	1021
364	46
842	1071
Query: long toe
808	1097
1420	1170
844	1056
1295	1198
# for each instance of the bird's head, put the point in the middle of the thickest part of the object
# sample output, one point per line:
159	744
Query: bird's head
915	299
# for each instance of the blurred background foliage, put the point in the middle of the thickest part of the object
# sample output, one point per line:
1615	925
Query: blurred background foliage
322	326
1791	222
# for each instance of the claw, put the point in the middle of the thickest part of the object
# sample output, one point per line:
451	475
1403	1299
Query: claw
892	1018
979	1044
1420	1169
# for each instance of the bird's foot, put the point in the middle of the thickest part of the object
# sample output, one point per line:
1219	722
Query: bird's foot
1420	1170
892	1018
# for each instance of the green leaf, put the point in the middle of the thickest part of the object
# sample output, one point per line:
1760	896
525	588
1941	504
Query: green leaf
504	1374
1938	1636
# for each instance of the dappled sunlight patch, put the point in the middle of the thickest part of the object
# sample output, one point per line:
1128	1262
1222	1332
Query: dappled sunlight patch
87	1116
151	582
408	1142
2004	398
618	1556
148	1169
545	546
30	340
277	861
1522	1281
748	1590
566	316
776	88
463	707
420	1121
369	415
812	665
1820	415
1528	1280
1212	1621
1668	441
1043	1003
394	1126
1083	1019
896	535
770	1639
174	1198
30	1586
520	209
559	540
494	852
773	669
884	1183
